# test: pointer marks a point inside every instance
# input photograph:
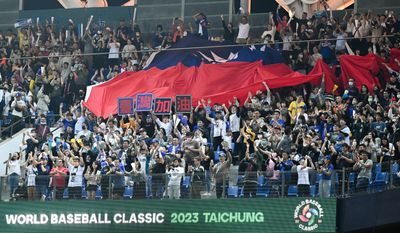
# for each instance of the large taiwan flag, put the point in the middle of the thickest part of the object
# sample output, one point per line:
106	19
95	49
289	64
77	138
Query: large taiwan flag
212	73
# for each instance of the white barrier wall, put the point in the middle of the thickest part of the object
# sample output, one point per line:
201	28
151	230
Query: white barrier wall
11	145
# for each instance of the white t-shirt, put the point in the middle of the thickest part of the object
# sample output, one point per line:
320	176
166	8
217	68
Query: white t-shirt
76	179
234	121
219	127
303	175
166	126
347	131
142	161
15	103
31	172
176	175
269	32
78	125
114	49
243	31
14	166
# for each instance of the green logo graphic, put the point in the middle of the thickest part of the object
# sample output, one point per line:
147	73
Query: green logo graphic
308	215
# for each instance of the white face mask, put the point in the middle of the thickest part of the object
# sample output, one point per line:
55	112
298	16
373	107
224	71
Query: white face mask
351	83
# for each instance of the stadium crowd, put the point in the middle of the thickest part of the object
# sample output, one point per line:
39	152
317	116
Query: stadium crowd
271	133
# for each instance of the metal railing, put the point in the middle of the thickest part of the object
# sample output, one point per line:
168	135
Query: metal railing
279	184
7	128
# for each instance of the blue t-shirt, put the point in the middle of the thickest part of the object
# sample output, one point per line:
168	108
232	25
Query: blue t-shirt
70	123
330	169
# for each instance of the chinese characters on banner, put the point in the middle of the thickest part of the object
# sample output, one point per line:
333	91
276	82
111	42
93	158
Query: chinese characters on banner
125	106
162	106
183	103
144	102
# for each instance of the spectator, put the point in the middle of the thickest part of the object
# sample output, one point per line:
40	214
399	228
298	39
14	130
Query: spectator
14	164
326	170
197	174
220	171
229	32
75	179
243	30
251	175
59	174
364	167
93	178
303	181
175	172
42	181
118	180
31	173
113	56
139	179
159	37
202	22
157	170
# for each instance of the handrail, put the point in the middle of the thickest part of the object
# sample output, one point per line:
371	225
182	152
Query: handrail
206	47
2	129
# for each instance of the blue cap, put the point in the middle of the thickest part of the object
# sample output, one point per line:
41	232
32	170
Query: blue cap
328	157
155	140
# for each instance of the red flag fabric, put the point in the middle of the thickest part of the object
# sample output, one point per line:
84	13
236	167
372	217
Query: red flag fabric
330	77
362	69
394	54
218	82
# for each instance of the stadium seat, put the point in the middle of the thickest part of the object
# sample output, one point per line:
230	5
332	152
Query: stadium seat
233	191
318	178
380	182
50	118
65	194
84	194
352	181
148	191
8	120
186	182
128	192
262	191
335	186
99	195
216	156
395	168
241	189
261	181
378	168
292	191
313	190
185	188
240	178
